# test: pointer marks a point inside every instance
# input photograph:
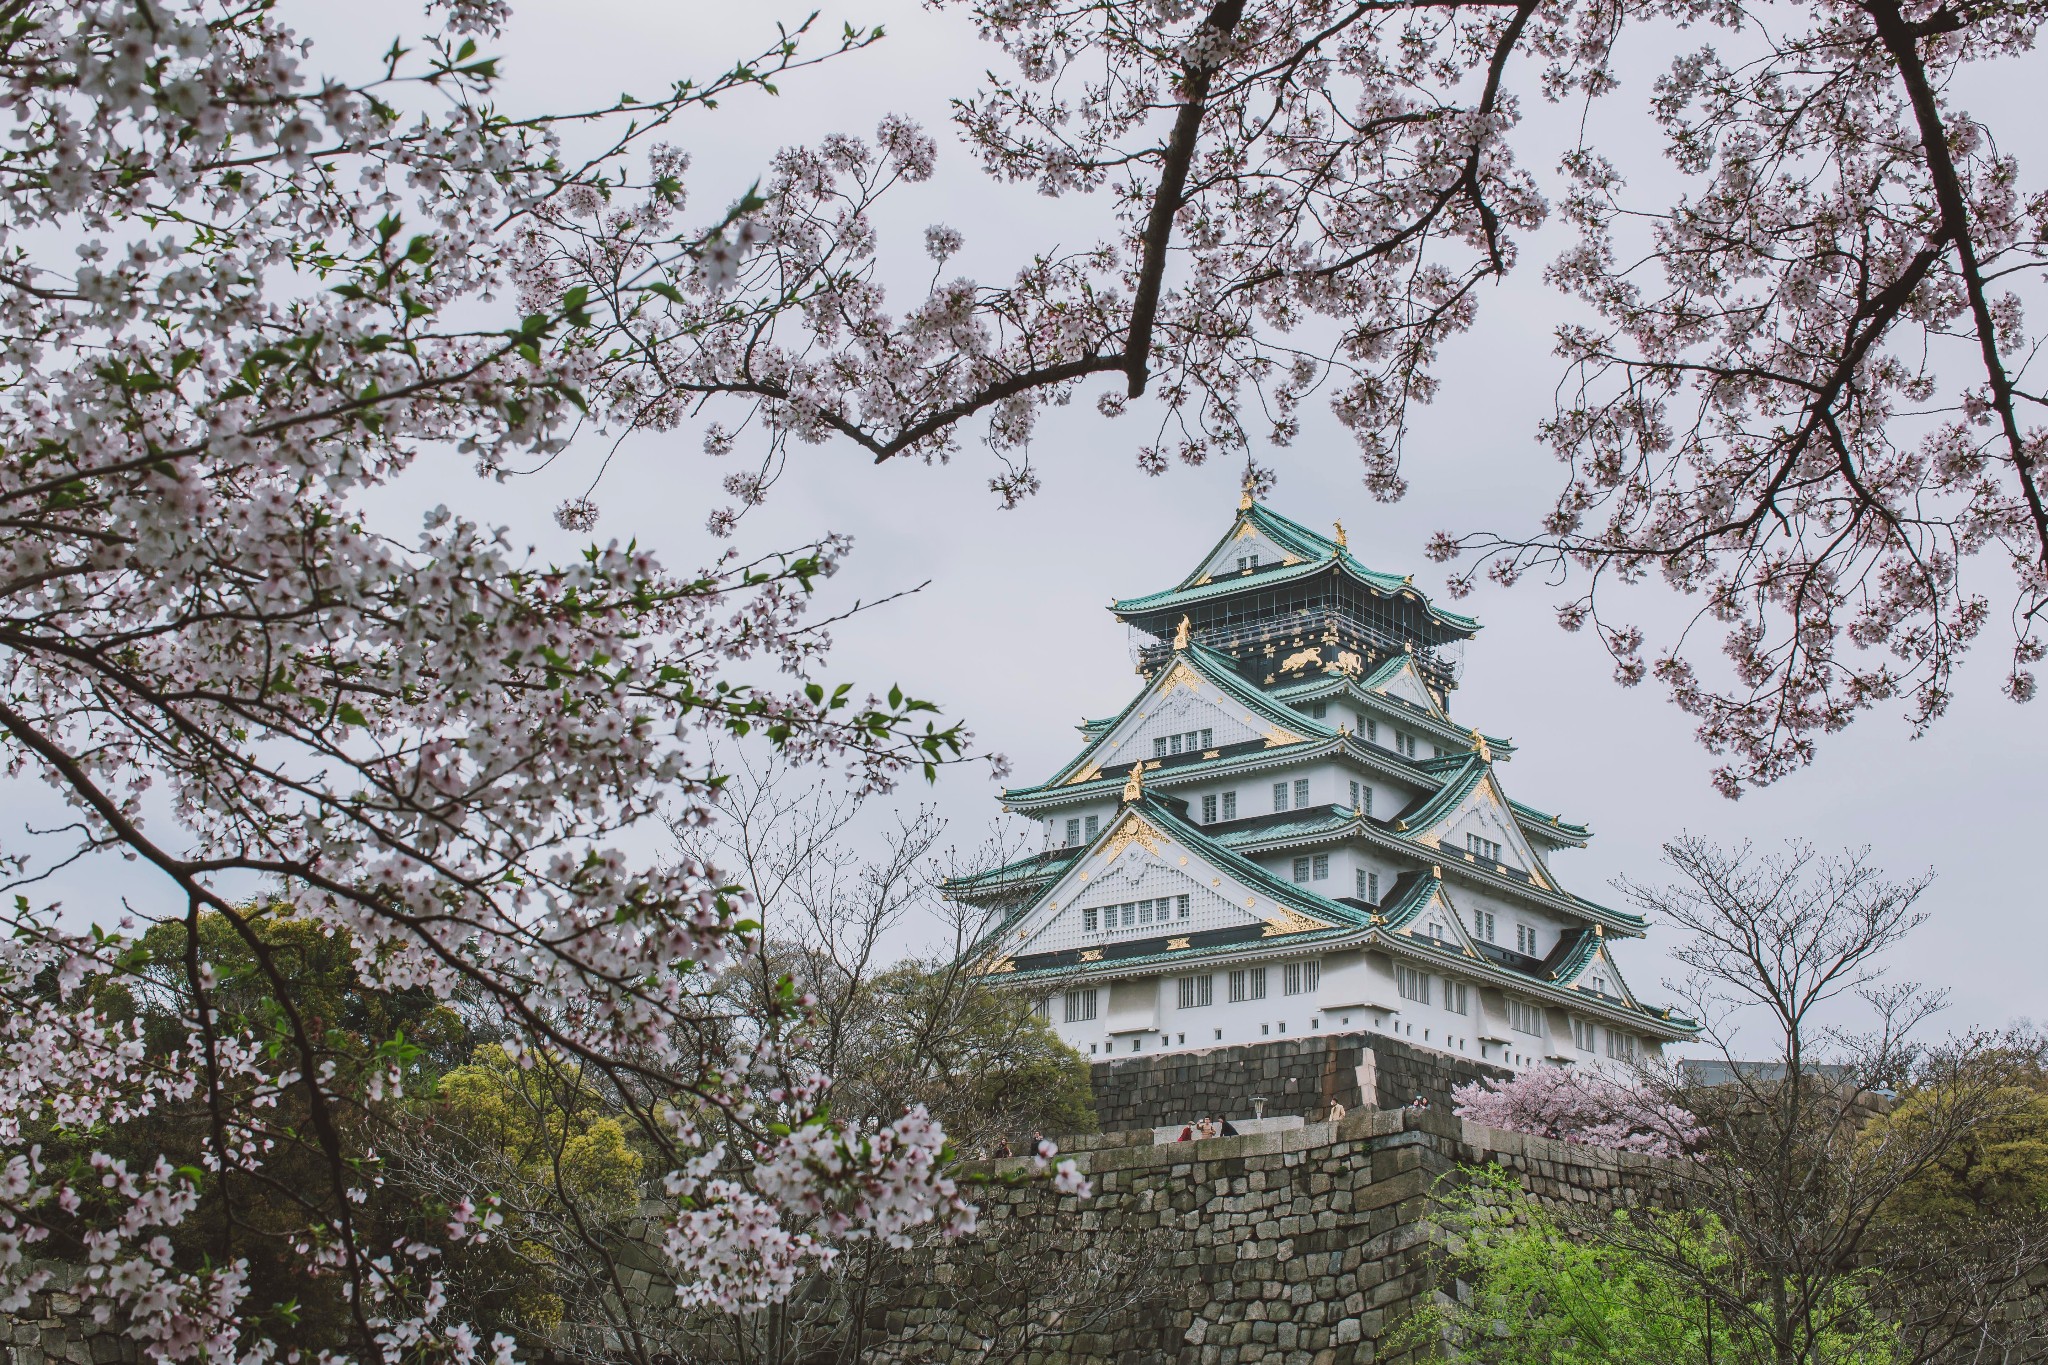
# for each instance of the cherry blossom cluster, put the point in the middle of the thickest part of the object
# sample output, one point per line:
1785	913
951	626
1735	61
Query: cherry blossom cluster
224	659
1578	1104
1803	399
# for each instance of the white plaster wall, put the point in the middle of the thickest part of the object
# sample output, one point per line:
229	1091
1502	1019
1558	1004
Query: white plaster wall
1224	564
1134	878
1177	714
1228	1023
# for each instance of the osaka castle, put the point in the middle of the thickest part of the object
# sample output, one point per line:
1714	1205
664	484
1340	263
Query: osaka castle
1285	832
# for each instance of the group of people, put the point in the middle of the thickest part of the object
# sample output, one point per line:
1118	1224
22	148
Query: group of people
1206	1127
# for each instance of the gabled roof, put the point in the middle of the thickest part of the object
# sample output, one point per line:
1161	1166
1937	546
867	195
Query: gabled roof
1327	685
1025	874
1314	552
1332	823
1330	918
1548	826
1571	965
1211	667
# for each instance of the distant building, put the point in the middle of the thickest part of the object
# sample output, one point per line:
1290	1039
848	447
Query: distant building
1721	1071
1285	832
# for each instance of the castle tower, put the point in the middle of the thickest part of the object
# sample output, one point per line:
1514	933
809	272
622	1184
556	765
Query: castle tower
1285	833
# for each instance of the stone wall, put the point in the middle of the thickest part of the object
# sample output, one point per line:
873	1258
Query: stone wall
1299	1247
54	1329
1295	1076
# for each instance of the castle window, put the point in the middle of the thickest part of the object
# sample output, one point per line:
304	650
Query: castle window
1583	1034
1197	991
1372	732
1524	1017
1321	871
1088	918
1301	866
1173	744
1279	796
1482	925
1621	1046
1457	997
1180	907
1073	833
1485	848
1319	709
1362	725
1209	809
1042	1007
1080	1006
1600	983
1412	983
1300	792
1299	978
1248	983
1093	823
1159	747
1361	798
1368	886
1208	739
1525	941
1230	805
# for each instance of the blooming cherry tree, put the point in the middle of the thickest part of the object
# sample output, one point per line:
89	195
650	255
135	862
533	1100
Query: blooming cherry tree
1580	1105
225	667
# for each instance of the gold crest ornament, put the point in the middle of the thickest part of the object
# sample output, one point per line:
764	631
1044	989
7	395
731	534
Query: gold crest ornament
1135	787
1479	747
1180	633
1342	544
1244	501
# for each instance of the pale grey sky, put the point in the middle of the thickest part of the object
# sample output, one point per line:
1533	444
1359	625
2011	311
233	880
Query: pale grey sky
1012	635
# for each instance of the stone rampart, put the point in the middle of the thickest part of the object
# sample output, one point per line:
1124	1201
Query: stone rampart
53	1328
1293	1247
1301	1076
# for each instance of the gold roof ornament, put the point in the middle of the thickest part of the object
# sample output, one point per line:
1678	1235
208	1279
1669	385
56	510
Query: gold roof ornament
1341	542
1244	501
1180	633
1135	788
1479	747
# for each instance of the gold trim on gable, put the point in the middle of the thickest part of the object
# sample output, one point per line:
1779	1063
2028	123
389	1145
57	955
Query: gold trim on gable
1179	676
998	966
1285	921
1174	945
1132	831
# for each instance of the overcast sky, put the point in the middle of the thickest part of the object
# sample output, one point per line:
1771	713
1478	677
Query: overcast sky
1012	634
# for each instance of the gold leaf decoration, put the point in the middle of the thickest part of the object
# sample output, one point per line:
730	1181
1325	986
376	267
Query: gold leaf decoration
1133	830
1285	921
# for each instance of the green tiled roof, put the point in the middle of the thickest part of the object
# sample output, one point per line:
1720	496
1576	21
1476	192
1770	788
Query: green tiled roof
1458	784
1317	552
1214	668
1039	867
1545	820
1408	897
1324	685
